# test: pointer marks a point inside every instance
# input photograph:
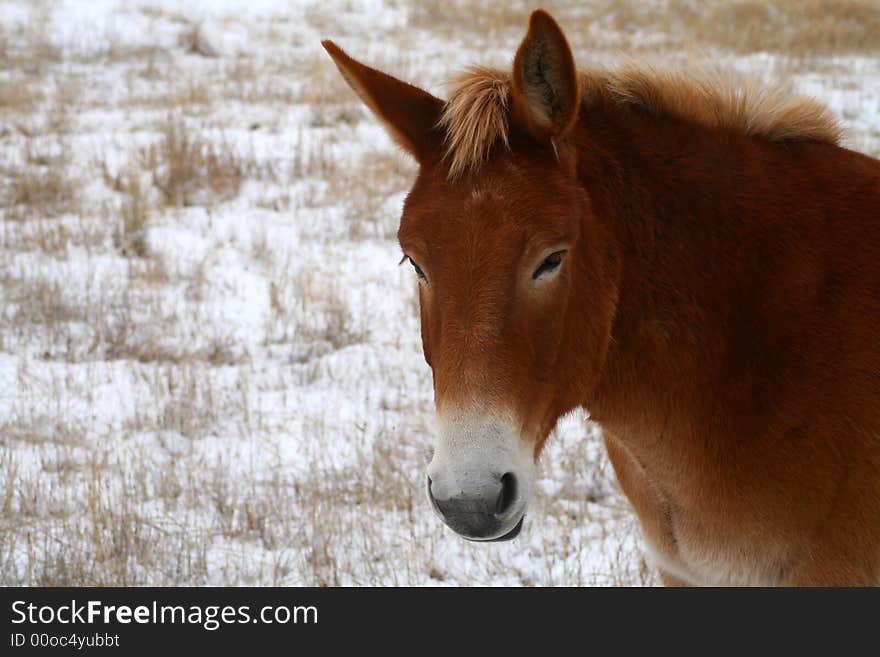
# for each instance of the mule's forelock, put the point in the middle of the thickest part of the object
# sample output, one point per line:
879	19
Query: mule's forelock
475	117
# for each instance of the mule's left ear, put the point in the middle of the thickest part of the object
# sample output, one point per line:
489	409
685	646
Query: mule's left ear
410	114
545	85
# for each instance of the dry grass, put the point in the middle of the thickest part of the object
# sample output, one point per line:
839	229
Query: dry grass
41	302
189	170
44	186
488	19
309	312
797	28
19	93
195	41
794	27
130	233
156	432
28	48
50	236
365	187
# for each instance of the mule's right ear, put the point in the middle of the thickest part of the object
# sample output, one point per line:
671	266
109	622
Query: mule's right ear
410	114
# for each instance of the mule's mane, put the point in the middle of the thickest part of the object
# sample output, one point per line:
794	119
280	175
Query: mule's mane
475	116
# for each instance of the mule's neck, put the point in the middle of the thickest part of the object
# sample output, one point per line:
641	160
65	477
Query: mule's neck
703	314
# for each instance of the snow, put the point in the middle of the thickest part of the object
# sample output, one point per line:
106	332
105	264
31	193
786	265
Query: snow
247	402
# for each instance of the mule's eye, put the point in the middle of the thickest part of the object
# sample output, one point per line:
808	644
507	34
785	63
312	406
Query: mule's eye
418	269
551	263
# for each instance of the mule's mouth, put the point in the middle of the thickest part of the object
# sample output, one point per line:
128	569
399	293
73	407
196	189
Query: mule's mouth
509	536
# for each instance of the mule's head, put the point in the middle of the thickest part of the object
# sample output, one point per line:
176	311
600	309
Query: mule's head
512	269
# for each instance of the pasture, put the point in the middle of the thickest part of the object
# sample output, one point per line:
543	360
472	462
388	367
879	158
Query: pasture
210	362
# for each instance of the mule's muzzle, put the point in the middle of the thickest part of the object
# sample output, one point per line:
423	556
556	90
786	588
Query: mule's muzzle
490	511
513	533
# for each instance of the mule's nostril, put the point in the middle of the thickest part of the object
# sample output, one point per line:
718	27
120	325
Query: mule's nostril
508	494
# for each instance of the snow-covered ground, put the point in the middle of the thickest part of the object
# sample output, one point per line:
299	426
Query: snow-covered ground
210	361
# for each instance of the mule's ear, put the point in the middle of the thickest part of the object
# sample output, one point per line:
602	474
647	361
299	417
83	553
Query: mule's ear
545	84
410	114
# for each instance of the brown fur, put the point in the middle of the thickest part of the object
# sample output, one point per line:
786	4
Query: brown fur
716	311
475	117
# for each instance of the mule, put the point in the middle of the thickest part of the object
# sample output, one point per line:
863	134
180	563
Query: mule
695	264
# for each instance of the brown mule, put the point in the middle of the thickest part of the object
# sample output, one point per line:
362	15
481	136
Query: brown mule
697	266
